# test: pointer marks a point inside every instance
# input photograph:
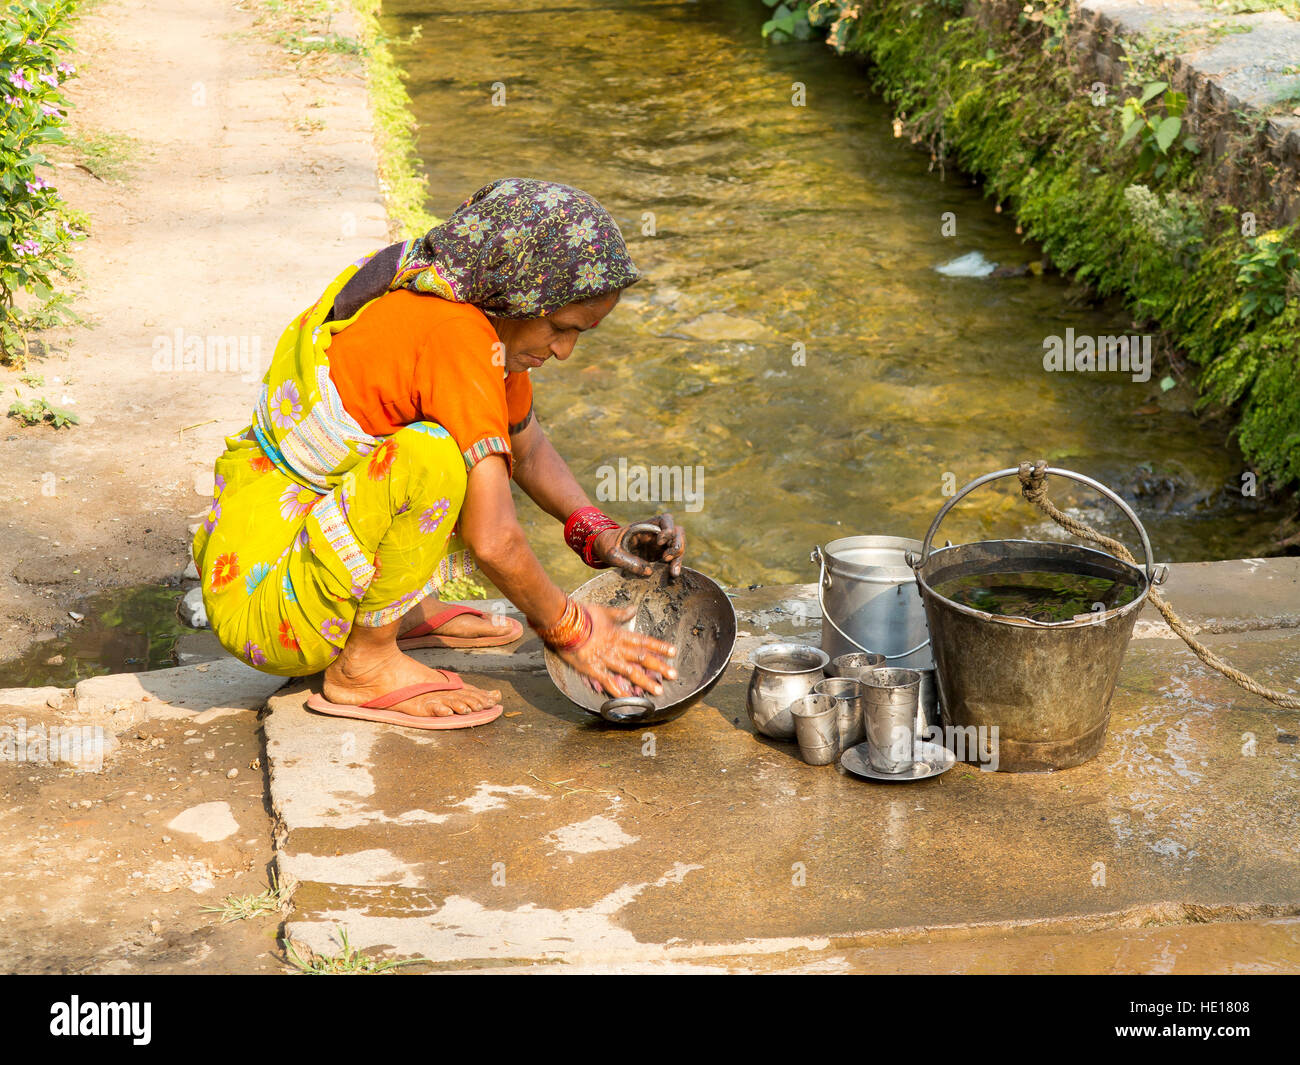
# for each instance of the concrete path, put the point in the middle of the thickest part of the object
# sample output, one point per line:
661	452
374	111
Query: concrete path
550	837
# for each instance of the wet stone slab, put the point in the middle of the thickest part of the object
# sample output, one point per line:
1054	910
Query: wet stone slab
549	835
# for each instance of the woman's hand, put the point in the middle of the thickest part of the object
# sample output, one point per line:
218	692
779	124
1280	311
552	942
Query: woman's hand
619	661
616	547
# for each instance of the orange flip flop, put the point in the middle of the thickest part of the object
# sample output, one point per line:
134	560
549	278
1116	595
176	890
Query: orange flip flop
378	709
423	635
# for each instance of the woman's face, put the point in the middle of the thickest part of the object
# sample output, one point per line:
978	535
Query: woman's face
529	342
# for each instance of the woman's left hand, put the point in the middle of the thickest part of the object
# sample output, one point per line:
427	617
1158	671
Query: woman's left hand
629	552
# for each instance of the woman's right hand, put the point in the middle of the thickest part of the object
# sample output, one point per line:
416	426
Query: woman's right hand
620	661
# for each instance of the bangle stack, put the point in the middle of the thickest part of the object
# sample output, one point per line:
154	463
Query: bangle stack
570	632
581	530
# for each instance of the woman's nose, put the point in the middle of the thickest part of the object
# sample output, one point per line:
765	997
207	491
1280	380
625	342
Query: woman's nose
562	347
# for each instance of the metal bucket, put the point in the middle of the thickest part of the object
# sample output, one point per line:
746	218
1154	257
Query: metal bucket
869	600
1046	686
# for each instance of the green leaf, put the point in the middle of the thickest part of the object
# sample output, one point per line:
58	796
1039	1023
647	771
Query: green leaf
1167	131
1166	383
1130	131
1152	89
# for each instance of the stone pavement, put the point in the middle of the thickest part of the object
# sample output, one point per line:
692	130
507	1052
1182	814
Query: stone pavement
551	838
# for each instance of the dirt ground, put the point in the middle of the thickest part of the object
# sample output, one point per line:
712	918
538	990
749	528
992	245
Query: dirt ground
92	879
249	181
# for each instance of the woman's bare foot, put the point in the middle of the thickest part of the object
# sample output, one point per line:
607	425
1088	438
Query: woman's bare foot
463	626
371	666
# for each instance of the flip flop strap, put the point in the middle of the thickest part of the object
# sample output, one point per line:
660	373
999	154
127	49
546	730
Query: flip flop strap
425	628
412	690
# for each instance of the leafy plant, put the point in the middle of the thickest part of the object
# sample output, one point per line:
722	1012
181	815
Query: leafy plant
462	588
36	411
1053	16
35	226
1155	132
787	23
1173	222
837	17
1265	272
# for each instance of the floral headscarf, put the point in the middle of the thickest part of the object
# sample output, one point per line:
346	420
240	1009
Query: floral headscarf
520	248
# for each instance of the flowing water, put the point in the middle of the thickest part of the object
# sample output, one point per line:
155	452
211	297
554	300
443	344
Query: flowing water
792	340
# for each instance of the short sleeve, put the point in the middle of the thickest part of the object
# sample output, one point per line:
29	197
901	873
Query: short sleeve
459	385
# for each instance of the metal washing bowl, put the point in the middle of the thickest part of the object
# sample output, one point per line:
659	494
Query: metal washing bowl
689	611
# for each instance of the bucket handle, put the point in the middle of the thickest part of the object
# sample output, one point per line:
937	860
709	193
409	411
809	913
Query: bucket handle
1153	578
819	557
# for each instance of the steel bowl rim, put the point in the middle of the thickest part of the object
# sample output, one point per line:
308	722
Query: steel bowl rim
550	658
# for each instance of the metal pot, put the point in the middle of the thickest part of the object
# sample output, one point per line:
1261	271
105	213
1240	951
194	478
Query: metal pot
869	599
783	672
690	611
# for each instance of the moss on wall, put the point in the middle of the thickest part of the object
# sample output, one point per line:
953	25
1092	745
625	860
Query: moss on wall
1188	229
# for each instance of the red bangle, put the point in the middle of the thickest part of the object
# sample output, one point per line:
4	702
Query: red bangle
581	530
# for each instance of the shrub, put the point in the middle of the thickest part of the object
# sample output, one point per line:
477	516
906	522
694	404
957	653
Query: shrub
36	228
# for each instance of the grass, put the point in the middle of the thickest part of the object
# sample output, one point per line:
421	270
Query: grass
275	899
109	156
401	172
346	962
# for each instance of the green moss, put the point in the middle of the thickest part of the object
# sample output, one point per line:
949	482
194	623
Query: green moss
400	169
1005	102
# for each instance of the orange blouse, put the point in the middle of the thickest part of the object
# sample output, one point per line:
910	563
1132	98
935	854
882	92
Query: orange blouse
411	357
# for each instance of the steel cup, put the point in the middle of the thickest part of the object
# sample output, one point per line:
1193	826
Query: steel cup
929	713
817	729
854	665
847	693
891	698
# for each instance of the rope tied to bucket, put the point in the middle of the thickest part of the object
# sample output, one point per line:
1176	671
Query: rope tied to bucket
1033	486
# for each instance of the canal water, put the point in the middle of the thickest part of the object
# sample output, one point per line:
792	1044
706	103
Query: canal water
792	339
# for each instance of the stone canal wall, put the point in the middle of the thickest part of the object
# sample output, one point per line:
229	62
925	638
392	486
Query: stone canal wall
1190	216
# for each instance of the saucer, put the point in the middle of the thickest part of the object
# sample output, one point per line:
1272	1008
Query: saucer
928	760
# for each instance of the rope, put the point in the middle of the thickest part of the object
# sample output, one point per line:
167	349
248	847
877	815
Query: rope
1033	485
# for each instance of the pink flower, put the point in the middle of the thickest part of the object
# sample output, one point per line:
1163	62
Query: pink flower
49	80
254	654
214	516
296	501
286	405
18	78
432	518
334	628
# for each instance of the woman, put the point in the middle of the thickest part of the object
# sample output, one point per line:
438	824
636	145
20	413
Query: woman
395	414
